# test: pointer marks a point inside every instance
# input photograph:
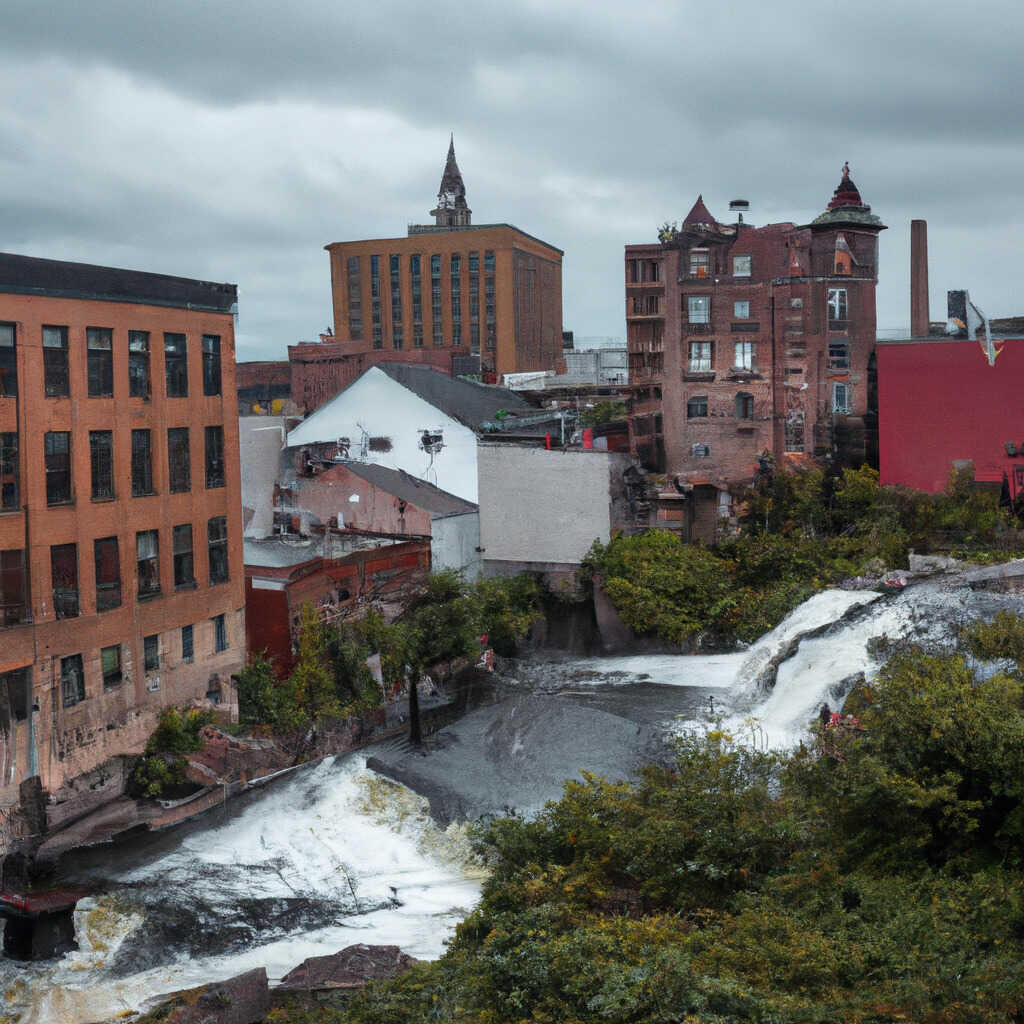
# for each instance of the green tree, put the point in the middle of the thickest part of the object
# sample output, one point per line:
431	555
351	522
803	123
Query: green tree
311	681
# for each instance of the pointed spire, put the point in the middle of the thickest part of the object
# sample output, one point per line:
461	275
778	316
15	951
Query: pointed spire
699	214
452	210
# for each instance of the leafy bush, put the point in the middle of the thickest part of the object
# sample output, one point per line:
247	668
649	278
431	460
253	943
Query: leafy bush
160	772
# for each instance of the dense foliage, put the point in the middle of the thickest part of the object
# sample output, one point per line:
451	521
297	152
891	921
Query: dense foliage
160	772
603	412
871	876
800	532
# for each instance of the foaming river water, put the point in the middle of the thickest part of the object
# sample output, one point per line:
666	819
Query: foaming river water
339	852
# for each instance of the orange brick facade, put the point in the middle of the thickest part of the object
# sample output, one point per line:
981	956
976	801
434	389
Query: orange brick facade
62	722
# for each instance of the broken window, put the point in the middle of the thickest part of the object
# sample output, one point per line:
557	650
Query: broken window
842	398
179	460
55	361
744	406
184	575
176	365
16	686
492	336
147	552
700	262
142	463
698	309
217	536
72	680
8	362
138	364
794	430
211	364
220	634
64	577
101	462
99	344
9	475
837	308
187	644
110	665
151	653
741	310
700	356
355	299
214	456
838	355
697	407
741	266
13	587
57	453
108	573
745	356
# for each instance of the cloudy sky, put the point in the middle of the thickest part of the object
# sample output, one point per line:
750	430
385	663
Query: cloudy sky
231	140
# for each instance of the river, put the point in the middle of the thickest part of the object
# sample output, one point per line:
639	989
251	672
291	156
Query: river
339	853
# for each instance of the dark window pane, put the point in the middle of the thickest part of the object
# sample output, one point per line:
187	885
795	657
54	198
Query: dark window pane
179	459
184	575
9	472
187	648
13	588
220	634
72	680
57	450
8	362
108	573
214	456
138	364
147	547
64	575
101	458
110	662
211	364
99	343
142	463
176	365
55	361
151	652
217	534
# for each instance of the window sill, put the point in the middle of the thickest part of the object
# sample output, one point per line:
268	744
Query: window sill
150	596
114	685
699	375
60	504
145	494
215	487
186	586
217	583
103	501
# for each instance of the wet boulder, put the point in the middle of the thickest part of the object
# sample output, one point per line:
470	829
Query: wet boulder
349	968
244	999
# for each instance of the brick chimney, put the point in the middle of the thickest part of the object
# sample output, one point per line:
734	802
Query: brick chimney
919	279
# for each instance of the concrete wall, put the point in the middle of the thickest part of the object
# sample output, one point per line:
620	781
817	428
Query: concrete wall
454	543
541	506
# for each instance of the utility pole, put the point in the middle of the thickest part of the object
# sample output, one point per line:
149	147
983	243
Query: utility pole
415	732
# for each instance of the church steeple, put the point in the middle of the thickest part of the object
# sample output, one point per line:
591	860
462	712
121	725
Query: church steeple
452	210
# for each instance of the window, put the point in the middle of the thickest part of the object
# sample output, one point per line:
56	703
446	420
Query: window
184	576
138	364
64	577
99	344
176	365
220	634
842	398
57	447
151	652
9	475
741	266
378	336
8	362
837	308
179	460
700	262
110	663
488	262
474	339
108	573
438	335
456	332
101	461
700	356
700	451
396	336
838	355
72	680
396	289
697	407
744	406
13	587
746	356
142	463
698	309
417	335
492	336
355	299
147	551
794	430
417	289
741	310
211	364
55	361
214	456
217	536
187	644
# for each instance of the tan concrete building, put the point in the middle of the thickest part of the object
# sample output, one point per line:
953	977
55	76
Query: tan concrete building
121	581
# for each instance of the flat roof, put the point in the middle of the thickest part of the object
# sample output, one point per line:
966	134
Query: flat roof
30	275
446	231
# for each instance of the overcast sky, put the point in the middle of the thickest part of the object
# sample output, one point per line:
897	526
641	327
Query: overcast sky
232	141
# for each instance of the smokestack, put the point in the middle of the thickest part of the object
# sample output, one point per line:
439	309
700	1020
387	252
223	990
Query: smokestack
919	279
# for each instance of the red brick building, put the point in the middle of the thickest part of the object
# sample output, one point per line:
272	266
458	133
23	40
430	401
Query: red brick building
121	584
465	298
744	340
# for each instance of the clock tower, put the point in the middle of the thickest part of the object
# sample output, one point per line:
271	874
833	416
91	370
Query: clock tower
452	211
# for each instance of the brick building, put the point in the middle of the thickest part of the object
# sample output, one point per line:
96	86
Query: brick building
264	385
465	298
744	340
121	583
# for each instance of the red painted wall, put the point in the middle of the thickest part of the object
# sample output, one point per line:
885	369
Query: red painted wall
266	625
939	401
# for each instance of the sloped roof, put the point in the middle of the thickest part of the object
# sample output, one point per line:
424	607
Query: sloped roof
469	403
698	214
451	179
410	488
